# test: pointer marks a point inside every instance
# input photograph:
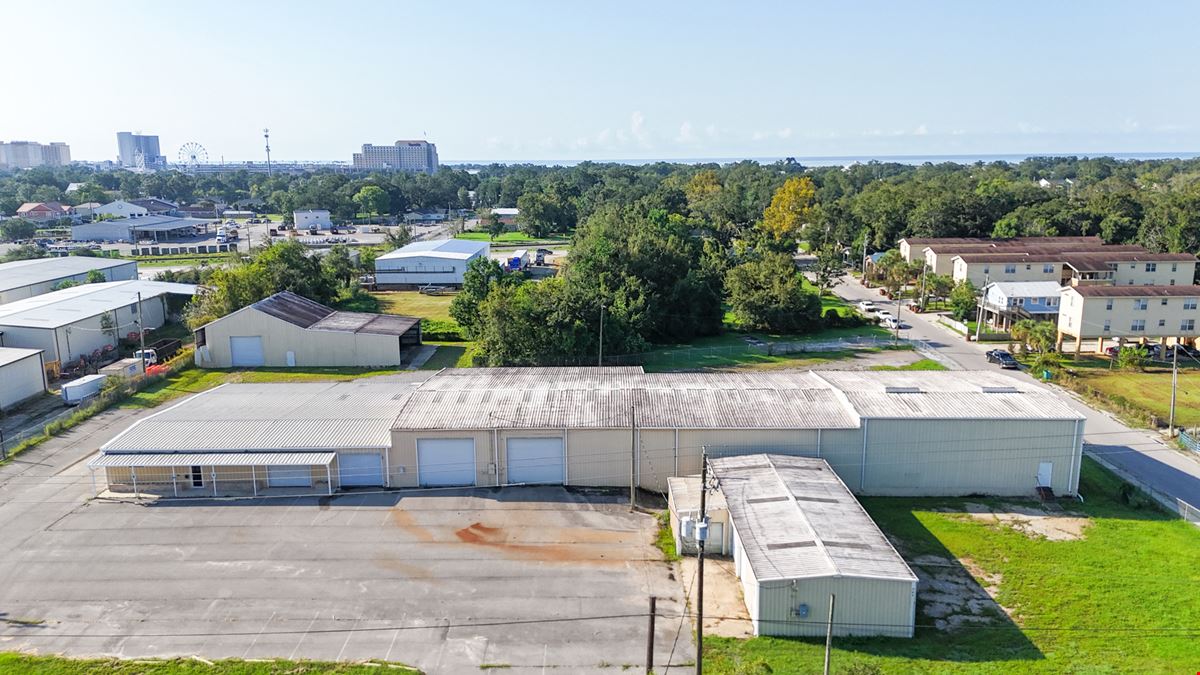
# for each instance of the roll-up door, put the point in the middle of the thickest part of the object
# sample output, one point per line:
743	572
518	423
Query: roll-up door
289	476
535	460
446	461
360	469
246	352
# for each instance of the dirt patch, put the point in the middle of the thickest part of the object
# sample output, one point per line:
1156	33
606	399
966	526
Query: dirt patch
404	520
725	612
499	539
1032	521
949	595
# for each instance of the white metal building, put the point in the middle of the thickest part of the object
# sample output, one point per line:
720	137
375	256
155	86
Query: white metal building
68	324
156	228
800	536
286	330
441	262
26	278
318	218
22	375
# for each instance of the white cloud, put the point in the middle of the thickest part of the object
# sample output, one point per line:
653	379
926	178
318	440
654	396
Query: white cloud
1027	128
785	132
711	131
921	131
686	135
758	135
637	127
1130	125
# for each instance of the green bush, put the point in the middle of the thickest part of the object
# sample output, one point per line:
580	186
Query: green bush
441	330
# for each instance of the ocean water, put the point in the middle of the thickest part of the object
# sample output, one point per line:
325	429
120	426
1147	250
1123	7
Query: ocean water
840	160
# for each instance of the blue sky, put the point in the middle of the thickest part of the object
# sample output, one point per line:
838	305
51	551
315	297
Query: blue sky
571	80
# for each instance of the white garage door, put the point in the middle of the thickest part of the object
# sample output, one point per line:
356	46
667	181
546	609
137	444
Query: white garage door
360	469
535	460
446	461
246	351
289	476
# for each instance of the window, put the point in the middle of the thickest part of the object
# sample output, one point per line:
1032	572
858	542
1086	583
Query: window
1140	303
1108	304
1107	325
987	269
1048	268
1174	267
1138	326
1010	269
1151	267
1188	325
1164	302
1028	267
1020	302
1162	323
1052	302
1189	303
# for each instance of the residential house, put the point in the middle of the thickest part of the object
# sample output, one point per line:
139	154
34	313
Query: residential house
40	212
1007	302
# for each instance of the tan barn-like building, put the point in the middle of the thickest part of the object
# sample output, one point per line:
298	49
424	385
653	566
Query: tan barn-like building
287	330
884	433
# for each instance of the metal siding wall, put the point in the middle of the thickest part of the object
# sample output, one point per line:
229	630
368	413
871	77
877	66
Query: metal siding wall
842	448
311	347
955	458
598	457
21	380
863	607
656	458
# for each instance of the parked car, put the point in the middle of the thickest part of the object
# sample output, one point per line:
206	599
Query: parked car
1184	351
540	256
1002	358
866	306
885	315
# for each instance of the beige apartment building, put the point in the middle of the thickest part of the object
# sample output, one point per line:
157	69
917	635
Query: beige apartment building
1162	314
1137	267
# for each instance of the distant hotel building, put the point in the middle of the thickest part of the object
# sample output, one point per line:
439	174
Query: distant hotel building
27	154
139	152
417	156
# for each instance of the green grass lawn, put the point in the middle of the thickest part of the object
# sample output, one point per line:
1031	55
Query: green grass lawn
412	303
449	355
1148	392
507	238
1123	599
730	350
923	364
24	664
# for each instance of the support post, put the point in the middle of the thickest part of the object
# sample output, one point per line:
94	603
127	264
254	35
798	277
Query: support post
141	333
700	563
95	492
632	458
133	472
329	479
650	638
254	479
829	634
214	481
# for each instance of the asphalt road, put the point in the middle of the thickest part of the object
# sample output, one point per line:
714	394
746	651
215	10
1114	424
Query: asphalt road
1141	454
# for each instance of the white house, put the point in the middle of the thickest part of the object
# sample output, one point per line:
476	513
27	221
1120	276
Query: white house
318	218
441	262
1006	302
120	209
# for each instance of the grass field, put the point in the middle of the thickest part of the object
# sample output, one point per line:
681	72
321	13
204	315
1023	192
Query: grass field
508	238
1147	393
449	355
23	664
1120	600
412	303
923	364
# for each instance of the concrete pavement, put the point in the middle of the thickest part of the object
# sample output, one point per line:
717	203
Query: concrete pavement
1138	454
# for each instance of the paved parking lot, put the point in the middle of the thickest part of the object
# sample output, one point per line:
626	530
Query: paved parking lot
445	581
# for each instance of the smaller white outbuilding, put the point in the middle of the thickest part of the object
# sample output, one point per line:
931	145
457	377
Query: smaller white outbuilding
22	375
800	536
440	262
318	218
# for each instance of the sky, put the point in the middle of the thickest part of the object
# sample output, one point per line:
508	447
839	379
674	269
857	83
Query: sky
518	80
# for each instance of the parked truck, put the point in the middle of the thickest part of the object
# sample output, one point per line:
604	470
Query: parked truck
518	261
158	352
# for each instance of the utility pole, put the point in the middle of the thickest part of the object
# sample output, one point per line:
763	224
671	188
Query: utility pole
897	317
632	458
142	333
979	314
600	358
267	139
829	634
1174	387
650	638
701	536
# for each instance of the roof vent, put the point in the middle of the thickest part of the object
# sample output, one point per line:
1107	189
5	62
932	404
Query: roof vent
1001	390
903	390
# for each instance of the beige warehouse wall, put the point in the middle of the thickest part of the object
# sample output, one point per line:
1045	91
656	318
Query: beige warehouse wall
864	607
598	457
312	348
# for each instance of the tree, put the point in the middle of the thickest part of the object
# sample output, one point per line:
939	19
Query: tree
23	252
1034	336
108	326
482	275
16	229
96	277
1132	358
372	200
397	237
90	192
337	264
770	294
830	267
962	300
492	224
938	285
791	208
894	271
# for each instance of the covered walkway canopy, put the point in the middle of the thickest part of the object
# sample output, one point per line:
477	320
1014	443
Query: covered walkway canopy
159	461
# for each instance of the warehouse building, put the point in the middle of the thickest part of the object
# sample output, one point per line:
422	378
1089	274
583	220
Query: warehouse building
884	433
70	323
287	330
153	228
799	537
26	278
438	262
22	376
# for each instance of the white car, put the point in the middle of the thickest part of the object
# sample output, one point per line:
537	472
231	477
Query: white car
885	316
866	306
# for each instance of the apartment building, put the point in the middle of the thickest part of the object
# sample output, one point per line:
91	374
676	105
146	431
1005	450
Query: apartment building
1163	314
1122	266
28	154
939	252
414	156
139	151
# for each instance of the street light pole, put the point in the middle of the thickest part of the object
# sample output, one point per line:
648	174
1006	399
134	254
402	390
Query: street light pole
1174	387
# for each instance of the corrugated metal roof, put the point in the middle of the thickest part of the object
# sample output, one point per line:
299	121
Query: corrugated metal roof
685	492
13	354
22	273
140	459
62	308
795	519
293	416
459	249
300	311
947	395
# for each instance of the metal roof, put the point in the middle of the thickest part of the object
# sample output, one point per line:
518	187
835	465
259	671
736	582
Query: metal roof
1014	241
274	417
459	249
41	270
1135	291
795	519
13	354
1027	289
947	395
165	223
140	459
65	307
300	311
685	493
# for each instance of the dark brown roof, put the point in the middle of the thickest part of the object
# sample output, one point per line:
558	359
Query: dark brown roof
1021	247
1016	240
1011	256
1136	291
1100	261
300	311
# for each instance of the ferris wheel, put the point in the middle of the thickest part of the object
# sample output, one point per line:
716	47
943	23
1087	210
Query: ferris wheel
192	154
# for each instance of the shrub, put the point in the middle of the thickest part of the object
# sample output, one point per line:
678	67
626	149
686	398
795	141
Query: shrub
441	330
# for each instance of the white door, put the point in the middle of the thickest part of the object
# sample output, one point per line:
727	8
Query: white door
246	352
360	469
446	461
535	460
716	538
289	476
1045	472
